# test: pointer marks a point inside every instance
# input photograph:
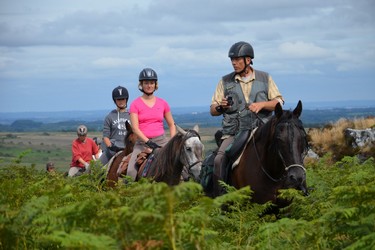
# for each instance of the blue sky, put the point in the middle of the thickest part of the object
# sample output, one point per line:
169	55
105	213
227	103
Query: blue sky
69	55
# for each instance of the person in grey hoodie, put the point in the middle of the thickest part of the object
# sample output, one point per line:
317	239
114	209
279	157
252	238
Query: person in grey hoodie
114	129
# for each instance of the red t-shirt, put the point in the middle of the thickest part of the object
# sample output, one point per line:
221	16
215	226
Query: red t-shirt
84	150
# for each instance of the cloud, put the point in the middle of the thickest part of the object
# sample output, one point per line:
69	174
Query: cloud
301	49
110	62
6	61
92	42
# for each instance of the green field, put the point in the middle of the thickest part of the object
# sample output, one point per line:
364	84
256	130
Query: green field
38	148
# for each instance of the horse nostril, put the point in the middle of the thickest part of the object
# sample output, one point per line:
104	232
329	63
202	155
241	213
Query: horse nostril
292	177
304	190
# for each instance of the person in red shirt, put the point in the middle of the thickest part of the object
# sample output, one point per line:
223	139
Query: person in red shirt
83	150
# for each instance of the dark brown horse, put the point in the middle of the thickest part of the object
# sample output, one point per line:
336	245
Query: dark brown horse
183	149
273	159
119	158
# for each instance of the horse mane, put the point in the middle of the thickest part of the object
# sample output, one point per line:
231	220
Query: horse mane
163	163
168	158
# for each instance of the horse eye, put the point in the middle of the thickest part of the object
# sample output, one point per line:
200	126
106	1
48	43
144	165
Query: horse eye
188	148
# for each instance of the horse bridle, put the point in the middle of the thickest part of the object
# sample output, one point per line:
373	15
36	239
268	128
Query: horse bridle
188	135
192	165
286	168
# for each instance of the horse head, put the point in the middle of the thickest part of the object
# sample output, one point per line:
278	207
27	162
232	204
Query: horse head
292	146
192	151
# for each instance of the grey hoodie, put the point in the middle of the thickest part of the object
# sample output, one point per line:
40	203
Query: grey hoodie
114	127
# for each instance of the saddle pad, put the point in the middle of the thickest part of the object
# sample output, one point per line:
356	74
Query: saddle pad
123	167
147	163
235	163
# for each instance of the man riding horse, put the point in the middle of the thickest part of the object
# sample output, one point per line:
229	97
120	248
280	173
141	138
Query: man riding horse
244	97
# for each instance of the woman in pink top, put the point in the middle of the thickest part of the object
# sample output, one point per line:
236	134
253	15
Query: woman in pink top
147	114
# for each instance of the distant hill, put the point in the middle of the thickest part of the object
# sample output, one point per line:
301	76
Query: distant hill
311	118
313	115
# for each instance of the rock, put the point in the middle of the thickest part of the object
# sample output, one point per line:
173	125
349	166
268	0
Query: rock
311	154
360	137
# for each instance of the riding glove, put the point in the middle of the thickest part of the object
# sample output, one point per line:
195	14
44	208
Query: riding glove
152	144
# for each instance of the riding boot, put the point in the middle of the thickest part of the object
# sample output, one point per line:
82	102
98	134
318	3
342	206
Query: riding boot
224	170
223	174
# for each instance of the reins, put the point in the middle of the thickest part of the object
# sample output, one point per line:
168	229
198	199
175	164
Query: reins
193	164
261	166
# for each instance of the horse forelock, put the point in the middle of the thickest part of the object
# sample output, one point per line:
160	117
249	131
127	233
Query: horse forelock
191	133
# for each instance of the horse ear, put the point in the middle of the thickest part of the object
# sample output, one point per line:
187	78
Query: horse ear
128	126
278	110
196	128
179	129
298	110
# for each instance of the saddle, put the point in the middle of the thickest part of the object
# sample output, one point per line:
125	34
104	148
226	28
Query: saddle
123	167
234	152
236	149
143	162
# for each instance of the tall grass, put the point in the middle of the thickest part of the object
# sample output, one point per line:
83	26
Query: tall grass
40	211
331	139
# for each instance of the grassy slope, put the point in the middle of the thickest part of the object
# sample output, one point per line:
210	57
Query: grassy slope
40	148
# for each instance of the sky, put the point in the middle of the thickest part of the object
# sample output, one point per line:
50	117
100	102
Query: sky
69	55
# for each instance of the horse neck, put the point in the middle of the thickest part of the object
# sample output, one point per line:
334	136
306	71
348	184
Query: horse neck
266	149
129	142
128	150
167	166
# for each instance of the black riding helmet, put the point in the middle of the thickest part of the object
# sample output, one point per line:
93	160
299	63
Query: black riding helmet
120	93
147	74
242	49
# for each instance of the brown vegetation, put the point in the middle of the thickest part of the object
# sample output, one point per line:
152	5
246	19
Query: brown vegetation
330	139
